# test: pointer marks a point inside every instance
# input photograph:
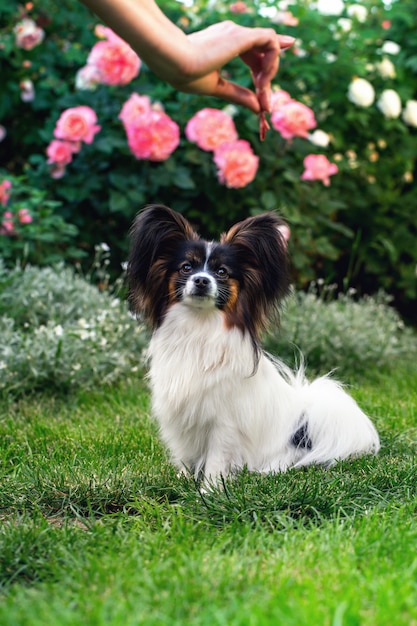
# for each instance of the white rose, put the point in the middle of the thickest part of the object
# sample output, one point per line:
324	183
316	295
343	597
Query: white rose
390	47
87	78
329	57
319	138
330	7
361	92
358	11
345	24
386	68
28	34
389	103
410	113
27	91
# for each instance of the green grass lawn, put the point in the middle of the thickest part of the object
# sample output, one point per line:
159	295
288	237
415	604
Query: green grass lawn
97	529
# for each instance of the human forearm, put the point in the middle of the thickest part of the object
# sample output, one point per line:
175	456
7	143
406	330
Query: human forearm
158	42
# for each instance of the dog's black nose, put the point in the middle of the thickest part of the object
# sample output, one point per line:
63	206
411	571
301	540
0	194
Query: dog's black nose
201	281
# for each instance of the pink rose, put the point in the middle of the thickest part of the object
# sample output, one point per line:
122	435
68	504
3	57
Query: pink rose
7	225
5	187
28	34
209	128
279	98
134	107
24	216
153	136
77	124
60	152
116	62
238	7
57	171
237	164
318	167
293	119
286	18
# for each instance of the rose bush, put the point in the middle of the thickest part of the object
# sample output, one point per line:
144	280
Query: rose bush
31	227
356	226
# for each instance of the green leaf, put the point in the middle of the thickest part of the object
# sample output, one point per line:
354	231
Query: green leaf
118	202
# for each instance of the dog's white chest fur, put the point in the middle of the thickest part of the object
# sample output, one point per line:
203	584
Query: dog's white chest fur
218	412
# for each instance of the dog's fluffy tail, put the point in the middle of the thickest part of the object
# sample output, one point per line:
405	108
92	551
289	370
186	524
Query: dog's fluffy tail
337	428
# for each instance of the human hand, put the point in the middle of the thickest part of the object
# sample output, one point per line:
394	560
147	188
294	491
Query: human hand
213	47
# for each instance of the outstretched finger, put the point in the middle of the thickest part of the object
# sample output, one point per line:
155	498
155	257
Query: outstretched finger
215	85
237	94
263	61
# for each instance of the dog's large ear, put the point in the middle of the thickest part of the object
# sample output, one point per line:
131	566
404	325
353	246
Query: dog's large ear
156	234
260	247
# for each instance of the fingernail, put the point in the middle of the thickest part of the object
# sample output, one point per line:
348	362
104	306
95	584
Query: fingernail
286	39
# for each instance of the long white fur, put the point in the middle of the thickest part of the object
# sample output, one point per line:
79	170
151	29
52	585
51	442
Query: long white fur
217	413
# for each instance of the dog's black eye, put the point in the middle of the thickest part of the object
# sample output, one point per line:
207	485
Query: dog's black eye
186	268
221	272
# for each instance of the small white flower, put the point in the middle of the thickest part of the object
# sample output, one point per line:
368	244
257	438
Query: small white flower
390	47
389	103
59	331
410	113
361	92
319	138
386	68
345	24
329	7
358	11
329	57
231	110
103	246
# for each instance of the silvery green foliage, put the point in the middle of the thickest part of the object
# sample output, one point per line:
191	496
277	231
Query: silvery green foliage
57	330
341	332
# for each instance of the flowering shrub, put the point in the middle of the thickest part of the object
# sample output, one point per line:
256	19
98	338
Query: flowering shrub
338	331
31	228
345	92
58	331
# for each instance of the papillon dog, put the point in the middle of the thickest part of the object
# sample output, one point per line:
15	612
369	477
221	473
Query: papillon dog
222	403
